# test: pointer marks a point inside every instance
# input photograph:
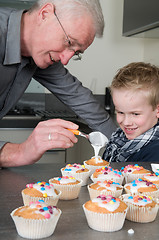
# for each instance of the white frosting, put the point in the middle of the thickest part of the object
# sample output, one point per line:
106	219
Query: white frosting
135	185
142	201
108	203
65	180
98	159
151	177
110	175
44	209
45	188
73	168
113	186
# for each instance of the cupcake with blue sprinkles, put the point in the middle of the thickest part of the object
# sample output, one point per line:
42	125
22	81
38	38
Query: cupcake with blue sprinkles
133	172
105	213
107	173
141	208
78	171
37	220
40	191
142	187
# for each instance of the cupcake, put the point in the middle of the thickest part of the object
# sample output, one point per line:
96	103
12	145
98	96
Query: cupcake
40	191
141	208
68	186
107	173
155	167
38	220
78	171
152	177
141	187
105	213
106	188
95	163
133	172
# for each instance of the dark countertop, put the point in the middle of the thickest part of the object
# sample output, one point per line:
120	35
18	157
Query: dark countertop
72	223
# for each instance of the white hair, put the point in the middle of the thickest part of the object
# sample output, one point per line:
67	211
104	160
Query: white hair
76	8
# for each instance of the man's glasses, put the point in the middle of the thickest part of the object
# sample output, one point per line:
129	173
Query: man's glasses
77	55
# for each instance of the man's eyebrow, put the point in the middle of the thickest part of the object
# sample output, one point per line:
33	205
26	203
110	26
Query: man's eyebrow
75	41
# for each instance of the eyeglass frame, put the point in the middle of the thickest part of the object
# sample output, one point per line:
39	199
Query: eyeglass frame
77	55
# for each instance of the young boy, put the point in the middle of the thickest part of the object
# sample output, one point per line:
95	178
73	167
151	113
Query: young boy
135	94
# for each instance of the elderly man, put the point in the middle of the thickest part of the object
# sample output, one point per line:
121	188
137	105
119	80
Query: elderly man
38	43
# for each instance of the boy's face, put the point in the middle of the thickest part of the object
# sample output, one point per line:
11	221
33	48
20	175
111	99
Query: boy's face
134	113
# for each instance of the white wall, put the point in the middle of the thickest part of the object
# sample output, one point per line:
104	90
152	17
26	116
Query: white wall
105	56
151	51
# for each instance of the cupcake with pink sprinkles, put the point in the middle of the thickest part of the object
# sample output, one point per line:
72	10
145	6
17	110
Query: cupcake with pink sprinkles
107	173
37	220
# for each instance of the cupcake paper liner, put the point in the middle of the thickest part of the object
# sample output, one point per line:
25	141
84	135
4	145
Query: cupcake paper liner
84	176
110	222
50	200
95	193
140	214
35	228
68	192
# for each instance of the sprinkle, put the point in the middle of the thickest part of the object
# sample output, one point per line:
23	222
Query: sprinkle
47	215
45	195
30	185
38	206
45	208
131	197
134	184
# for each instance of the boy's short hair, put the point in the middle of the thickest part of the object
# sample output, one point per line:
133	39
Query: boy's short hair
139	76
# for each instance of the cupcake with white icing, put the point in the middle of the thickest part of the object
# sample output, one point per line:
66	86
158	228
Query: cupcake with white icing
152	177
40	191
106	188
105	213
133	172
37	220
68	186
142	187
107	173
141	208
78	171
95	163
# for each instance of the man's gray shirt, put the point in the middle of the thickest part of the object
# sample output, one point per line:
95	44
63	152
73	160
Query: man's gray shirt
17	71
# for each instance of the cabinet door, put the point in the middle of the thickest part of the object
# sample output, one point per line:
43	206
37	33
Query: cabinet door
20	135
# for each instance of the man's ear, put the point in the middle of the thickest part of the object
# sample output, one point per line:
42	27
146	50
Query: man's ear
46	11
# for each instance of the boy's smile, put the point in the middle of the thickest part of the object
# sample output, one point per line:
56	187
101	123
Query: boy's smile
134	113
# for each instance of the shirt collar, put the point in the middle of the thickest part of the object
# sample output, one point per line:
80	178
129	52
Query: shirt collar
13	50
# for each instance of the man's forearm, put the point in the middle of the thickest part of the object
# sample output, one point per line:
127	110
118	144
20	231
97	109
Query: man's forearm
10	155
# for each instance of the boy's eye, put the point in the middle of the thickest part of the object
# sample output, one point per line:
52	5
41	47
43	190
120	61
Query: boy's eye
117	112
136	114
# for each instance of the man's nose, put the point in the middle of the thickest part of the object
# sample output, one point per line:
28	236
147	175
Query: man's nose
65	56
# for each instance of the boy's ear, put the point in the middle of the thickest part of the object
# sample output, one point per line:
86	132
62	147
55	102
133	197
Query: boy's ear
158	111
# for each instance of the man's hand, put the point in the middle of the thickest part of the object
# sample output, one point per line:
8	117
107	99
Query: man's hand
47	135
